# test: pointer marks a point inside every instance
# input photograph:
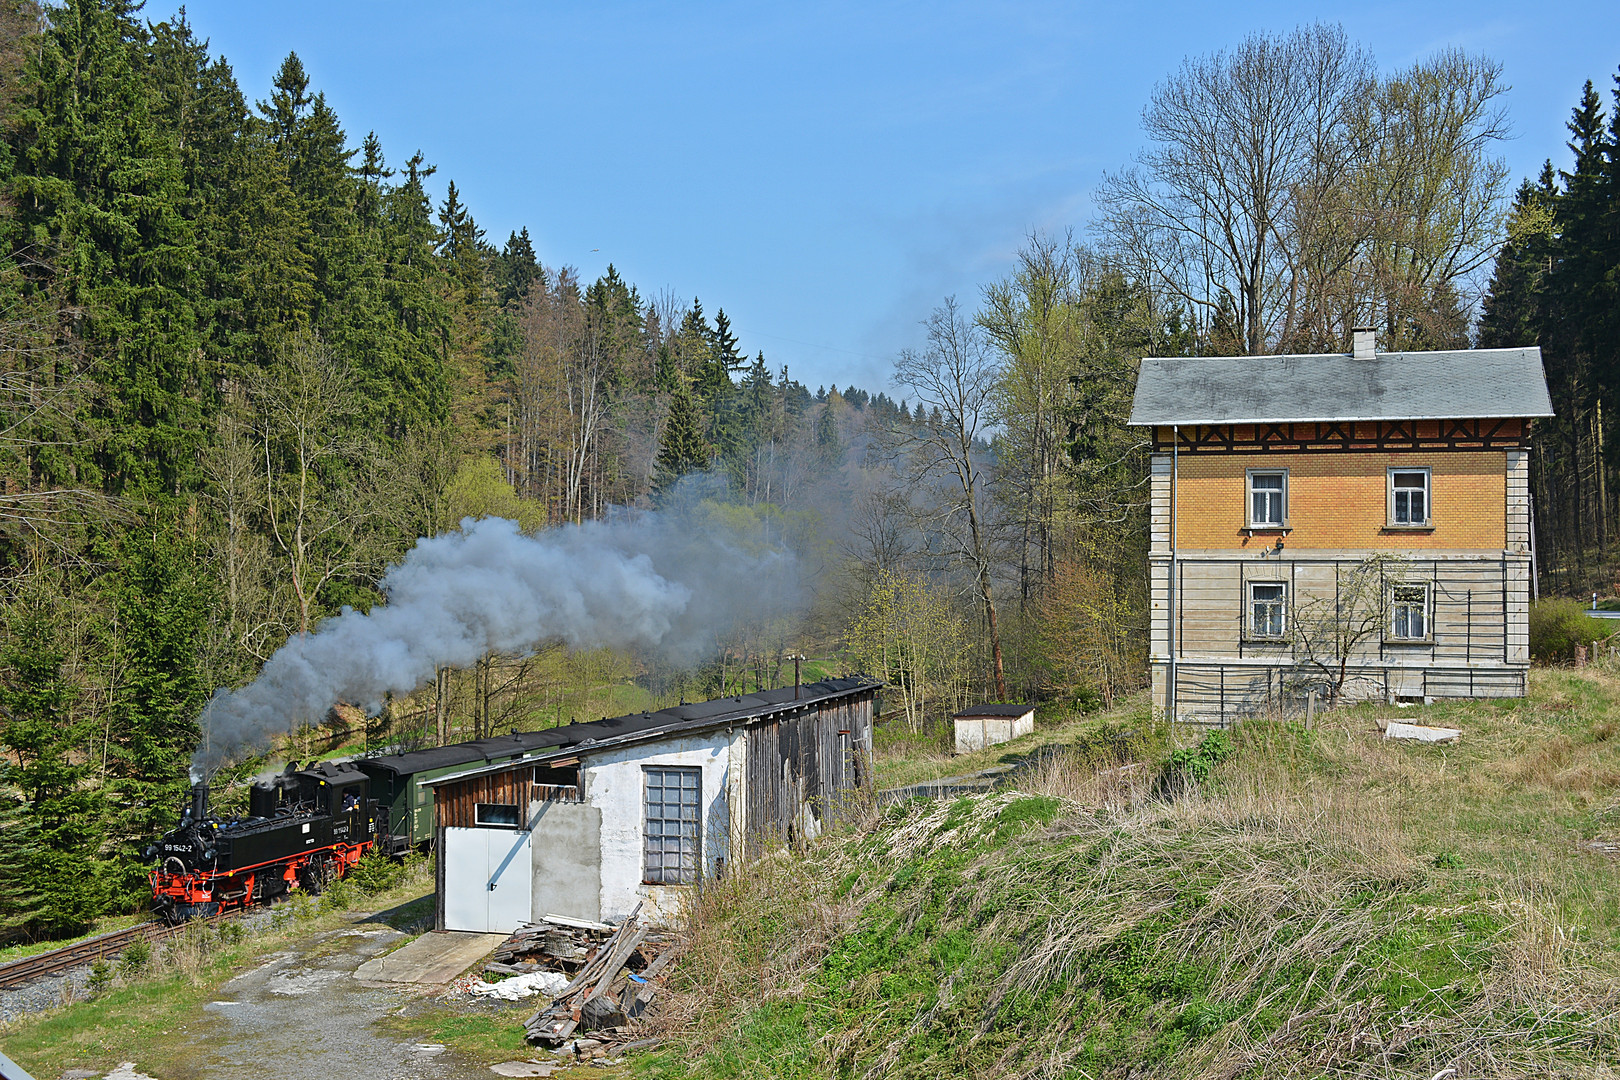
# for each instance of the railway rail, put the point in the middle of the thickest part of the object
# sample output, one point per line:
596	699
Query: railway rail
100	947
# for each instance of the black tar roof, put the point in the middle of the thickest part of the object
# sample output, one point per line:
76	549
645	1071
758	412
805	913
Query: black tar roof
495	748
996	710
685	717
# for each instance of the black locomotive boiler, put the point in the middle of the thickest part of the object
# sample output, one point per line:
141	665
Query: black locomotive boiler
305	828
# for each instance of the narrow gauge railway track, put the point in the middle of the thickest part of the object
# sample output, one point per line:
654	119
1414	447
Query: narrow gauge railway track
100	947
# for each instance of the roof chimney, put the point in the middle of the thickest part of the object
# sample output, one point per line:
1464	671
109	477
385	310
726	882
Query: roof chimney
1364	340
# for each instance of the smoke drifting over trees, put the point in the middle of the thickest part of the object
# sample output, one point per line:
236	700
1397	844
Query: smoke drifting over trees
659	582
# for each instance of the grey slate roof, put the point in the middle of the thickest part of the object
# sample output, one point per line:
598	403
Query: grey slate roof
1456	385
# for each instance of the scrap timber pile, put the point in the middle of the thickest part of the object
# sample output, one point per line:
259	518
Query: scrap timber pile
614	971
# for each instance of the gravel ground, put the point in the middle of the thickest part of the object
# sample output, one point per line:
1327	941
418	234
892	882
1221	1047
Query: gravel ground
304	1011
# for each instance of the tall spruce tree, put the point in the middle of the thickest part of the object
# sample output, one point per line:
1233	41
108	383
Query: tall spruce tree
161	607
98	196
683	449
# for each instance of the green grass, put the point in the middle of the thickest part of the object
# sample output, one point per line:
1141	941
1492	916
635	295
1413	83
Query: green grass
490	1036
102	926
1323	902
904	757
155	1017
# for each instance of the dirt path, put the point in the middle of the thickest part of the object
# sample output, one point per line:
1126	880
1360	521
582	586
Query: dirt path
301	1015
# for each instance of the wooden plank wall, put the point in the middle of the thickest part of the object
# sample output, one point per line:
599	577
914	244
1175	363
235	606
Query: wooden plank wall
1475	611
455	802
800	763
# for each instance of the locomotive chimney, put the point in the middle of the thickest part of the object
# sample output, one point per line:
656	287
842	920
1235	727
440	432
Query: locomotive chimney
199	801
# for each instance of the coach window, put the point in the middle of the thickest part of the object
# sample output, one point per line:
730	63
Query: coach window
1268	498
495	815
1409	499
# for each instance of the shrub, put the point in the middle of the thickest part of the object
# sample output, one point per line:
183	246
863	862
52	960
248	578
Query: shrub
375	872
1191	764
136	956
1558	625
340	895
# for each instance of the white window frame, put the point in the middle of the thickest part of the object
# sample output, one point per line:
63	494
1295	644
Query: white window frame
480	822
1249	601
1248	498
1426	612
1428	497
664	837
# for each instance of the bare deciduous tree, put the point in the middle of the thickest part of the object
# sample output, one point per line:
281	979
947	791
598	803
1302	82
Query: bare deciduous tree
955	377
1288	194
1329	632
1234	137
319	490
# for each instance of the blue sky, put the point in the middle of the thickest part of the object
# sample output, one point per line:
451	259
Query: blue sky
826	172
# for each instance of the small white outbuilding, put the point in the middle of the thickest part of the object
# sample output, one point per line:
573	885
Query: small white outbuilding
987	725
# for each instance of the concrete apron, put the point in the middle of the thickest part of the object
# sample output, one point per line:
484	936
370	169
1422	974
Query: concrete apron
432	959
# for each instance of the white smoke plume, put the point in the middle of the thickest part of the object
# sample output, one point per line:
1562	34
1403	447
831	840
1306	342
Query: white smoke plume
661	582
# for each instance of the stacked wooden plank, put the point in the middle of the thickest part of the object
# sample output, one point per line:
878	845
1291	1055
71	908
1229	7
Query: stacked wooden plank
614	972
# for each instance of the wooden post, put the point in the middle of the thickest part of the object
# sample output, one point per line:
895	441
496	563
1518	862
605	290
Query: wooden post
1310	708
1580	656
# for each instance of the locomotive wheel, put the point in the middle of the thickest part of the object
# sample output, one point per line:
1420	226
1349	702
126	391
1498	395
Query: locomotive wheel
317	874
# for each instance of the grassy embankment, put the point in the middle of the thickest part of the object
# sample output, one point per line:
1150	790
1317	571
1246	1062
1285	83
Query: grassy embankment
1324	903
903	757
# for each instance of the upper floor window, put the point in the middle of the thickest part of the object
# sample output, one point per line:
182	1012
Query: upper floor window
1268	498
1409	497
1409	612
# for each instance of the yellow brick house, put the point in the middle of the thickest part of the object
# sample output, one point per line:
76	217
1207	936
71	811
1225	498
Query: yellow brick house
1368	507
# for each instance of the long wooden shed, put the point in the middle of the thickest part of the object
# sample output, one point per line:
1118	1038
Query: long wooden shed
638	808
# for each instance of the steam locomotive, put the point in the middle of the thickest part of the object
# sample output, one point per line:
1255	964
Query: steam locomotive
305	829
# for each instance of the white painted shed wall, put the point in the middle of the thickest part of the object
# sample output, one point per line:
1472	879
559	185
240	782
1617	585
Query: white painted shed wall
978	732
612	782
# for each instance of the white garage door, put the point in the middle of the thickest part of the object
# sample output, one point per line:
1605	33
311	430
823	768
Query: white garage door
487	875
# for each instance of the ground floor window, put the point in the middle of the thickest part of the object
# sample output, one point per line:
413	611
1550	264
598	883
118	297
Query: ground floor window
671	824
1409	612
1268	603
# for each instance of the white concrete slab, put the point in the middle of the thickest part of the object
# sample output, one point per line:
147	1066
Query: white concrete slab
1397	730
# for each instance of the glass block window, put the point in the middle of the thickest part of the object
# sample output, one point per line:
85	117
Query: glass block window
672	818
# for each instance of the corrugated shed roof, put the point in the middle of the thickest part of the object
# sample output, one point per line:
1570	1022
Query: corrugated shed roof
1456	385
495	748
679	718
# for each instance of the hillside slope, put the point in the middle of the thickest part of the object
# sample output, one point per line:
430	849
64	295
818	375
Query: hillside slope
1322	903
